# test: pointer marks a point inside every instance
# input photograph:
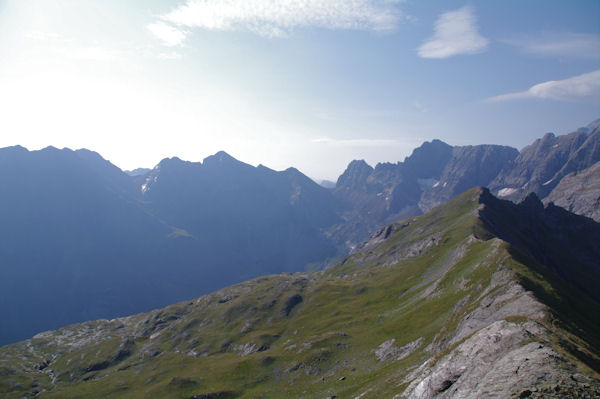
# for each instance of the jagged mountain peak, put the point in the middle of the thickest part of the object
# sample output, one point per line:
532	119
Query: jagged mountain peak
220	158
84	152
355	175
165	162
359	164
293	171
51	148
14	149
429	159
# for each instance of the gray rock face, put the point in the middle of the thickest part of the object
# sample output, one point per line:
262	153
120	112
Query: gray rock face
355	176
540	166
583	157
388	350
436	172
468	167
430	176
490	364
512	300
579	192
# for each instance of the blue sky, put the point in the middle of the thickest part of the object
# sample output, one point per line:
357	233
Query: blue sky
305	83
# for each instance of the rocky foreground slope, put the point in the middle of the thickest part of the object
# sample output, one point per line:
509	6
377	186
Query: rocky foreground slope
455	303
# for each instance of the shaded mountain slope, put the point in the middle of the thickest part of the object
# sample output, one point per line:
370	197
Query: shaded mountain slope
80	240
432	306
74	245
249	220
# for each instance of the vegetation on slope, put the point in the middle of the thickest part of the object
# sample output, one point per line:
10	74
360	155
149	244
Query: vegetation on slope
412	295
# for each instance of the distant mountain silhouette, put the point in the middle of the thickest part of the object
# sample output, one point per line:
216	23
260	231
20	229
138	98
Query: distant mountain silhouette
137	171
80	239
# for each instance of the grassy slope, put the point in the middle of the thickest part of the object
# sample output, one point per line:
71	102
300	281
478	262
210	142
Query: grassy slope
323	347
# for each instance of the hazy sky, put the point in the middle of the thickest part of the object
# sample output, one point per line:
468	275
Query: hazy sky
305	83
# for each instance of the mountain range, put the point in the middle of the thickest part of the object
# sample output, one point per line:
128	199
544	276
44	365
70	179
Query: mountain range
480	298
436	172
80	239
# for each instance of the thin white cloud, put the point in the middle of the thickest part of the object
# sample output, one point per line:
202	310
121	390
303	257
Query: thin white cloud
169	35
169	56
564	44
69	48
42	36
94	53
455	33
584	87
277	18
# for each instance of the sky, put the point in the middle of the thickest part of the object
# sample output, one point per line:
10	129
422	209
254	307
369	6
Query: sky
311	84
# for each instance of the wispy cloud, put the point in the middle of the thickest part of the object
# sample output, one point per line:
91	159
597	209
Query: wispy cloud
455	33
95	53
584	87
169	56
365	142
564	44
73	49
277	18
169	35
45	36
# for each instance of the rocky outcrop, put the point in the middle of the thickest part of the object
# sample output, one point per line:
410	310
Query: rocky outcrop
469	166
387	350
501	360
354	177
540	166
579	192
430	176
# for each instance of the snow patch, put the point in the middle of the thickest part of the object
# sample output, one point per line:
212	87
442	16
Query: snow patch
505	192
427	183
149	181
